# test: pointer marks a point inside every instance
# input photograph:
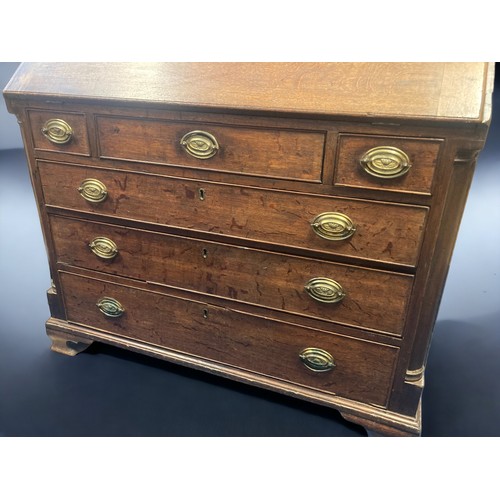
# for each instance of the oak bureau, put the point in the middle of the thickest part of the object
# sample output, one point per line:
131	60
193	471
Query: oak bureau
287	225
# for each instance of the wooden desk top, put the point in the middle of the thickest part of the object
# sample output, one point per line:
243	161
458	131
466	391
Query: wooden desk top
429	91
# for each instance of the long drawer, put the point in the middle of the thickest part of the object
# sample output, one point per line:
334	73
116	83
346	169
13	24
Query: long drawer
338	293
384	232
327	362
263	152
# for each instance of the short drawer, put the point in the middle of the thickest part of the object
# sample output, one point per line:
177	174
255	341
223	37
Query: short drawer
59	132
276	153
376	231
347	367
338	293
387	163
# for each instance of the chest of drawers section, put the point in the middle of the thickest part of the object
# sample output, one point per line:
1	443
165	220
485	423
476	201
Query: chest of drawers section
296	254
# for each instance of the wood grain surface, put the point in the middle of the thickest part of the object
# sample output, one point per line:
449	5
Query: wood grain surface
363	369
375	300
429	90
423	155
79	142
214	254
266	152
385	232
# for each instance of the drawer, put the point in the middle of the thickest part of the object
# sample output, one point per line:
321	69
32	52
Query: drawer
338	293
276	153
384	232
59	132
363	370
387	163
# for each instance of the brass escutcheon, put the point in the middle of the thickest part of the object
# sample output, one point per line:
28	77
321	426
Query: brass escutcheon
104	247
325	290
93	190
317	360
57	131
200	144
333	226
386	162
110	307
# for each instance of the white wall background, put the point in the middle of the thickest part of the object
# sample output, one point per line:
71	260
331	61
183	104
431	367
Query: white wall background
10	135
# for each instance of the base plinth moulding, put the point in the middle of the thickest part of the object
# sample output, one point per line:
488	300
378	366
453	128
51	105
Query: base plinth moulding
71	339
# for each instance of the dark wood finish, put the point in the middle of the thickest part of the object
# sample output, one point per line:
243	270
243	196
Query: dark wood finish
385	232
423	154
213	253
363	369
243	274
262	152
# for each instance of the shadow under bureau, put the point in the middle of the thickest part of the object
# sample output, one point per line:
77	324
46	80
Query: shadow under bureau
287	225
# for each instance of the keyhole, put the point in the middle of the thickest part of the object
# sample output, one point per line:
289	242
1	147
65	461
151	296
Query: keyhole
205	313
201	192
204	253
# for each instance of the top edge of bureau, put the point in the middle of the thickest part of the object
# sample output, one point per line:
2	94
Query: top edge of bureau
433	92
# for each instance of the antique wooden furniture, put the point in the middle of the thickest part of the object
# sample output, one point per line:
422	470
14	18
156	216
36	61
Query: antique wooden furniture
285	225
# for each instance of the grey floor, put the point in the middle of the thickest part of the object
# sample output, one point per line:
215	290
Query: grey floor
109	392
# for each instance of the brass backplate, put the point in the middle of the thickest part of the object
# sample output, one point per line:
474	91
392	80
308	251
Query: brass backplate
334	226
386	162
200	144
325	290
317	360
110	307
104	247
93	190
57	131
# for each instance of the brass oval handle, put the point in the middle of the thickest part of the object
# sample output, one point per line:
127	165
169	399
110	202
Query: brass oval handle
104	247
93	190
110	307
317	360
333	226
57	131
325	290
386	162
200	144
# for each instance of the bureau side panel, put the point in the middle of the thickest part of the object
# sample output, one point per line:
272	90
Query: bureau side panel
431	276
54	298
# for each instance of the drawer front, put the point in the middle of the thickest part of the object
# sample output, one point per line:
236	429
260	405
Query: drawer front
59	132
363	370
384	232
374	300
387	163
284	154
